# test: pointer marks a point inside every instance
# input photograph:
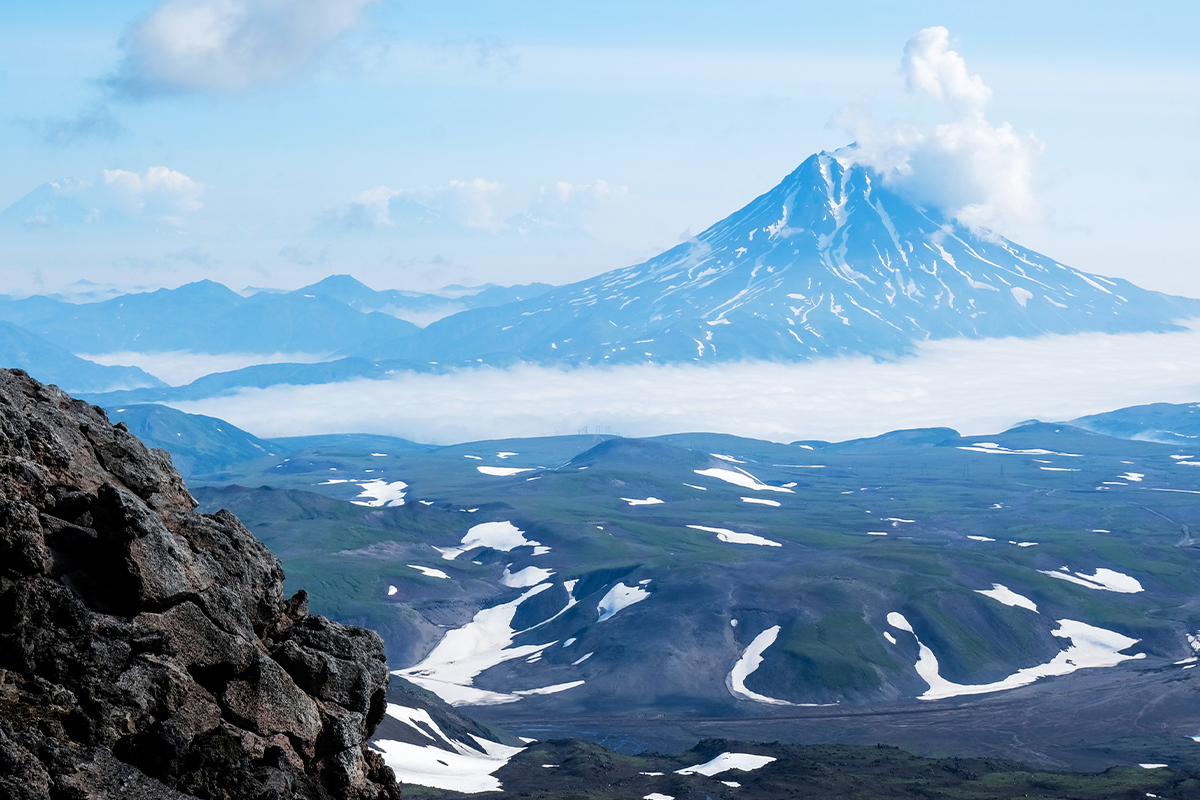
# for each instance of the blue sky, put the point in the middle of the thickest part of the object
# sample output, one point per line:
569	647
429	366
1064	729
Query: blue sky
553	140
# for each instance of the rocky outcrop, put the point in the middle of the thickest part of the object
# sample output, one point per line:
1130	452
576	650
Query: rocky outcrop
147	650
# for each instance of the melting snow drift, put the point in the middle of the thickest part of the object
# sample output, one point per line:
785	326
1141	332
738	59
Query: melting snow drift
450	669
1008	597
725	762
463	769
618	598
495	535
379	493
1107	580
752	658
1090	647
733	537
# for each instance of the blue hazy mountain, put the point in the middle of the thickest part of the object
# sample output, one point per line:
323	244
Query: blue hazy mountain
258	376
830	261
1169	423
50	363
419	307
197	444
206	317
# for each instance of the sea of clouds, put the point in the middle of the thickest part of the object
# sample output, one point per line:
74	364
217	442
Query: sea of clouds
974	386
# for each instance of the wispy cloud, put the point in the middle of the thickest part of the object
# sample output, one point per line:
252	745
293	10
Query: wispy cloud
471	205
971	385
456	204
977	172
221	45
95	123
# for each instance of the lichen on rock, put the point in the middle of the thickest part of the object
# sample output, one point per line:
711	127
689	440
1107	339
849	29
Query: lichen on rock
147	650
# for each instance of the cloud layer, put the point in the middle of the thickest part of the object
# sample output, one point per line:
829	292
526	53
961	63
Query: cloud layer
160	195
217	45
471	205
977	172
971	385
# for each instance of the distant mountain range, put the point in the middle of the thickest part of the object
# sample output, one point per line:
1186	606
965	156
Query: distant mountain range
53	364
338	316
829	262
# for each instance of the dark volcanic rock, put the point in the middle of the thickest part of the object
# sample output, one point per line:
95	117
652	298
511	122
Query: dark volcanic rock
147	650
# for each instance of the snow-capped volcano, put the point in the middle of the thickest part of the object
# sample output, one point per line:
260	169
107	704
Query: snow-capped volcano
829	261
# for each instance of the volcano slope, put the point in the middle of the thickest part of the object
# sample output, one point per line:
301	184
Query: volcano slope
147	650
830	261
1028	595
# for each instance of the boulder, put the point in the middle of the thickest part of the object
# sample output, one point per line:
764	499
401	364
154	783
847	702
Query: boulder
147	650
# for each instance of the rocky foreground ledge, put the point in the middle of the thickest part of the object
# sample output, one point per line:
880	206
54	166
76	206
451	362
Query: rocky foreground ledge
147	651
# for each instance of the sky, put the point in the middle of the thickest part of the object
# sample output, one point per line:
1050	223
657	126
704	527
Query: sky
270	143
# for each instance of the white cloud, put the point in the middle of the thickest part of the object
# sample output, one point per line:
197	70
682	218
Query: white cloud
455	205
203	45
159	193
975	386
472	204
568	205
975	171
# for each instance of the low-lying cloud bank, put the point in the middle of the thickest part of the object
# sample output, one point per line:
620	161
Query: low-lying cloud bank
973	386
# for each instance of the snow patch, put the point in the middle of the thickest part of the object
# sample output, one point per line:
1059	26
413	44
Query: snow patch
992	447
1001	593
504	472
450	669
463	769
762	501
746	762
741	478
1103	579
428	572
733	537
751	659
649	501
495	535
529	576
380	493
619	598
1091	647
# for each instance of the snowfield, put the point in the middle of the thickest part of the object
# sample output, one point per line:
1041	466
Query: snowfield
619	598
379	493
1008	597
733	537
1102	579
1091	647
460	769
495	535
504	472
741	478
752	658
745	762
450	669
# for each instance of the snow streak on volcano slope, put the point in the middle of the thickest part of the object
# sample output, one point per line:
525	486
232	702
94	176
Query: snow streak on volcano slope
829	261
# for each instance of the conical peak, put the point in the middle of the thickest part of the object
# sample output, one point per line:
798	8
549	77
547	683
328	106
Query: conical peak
819	195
